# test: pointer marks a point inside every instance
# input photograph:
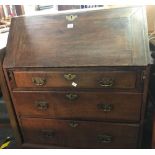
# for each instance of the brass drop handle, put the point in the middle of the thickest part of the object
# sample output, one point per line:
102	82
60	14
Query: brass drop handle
69	76
106	83
41	105
39	81
47	134
105	107
71	96
104	138
73	124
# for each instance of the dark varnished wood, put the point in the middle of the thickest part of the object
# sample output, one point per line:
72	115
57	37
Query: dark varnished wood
87	105
83	79
106	43
106	37
42	146
146	79
80	136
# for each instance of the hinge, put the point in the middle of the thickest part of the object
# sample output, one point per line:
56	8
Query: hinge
143	75
10	75
11	78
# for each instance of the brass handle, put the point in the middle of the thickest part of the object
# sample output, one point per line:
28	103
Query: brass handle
73	124
105	107
41	105
104	138
106	83
47	134
71	96
69	76
38	81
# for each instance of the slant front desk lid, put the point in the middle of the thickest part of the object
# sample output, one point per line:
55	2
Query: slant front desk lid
104	37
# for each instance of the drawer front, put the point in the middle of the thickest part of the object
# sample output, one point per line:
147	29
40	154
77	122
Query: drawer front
83	79
79	134
90	105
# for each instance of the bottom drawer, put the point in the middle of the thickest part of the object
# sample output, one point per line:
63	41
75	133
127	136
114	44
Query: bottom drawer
79	134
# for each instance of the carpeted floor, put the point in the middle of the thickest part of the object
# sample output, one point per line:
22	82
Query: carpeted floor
5	128
6	131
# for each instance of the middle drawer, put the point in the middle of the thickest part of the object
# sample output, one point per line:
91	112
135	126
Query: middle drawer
79	104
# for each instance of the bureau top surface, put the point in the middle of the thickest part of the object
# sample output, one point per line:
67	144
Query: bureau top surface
104	37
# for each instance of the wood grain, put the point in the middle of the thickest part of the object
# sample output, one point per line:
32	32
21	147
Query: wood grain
110	37
80	136
84	79
125	106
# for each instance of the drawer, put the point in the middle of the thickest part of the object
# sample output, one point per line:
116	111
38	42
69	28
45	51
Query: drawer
79	134
80	79
79	104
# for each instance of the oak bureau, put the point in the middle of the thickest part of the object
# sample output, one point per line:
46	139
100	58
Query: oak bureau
78	79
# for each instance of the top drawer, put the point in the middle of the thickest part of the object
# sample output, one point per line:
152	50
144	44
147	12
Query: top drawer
77	79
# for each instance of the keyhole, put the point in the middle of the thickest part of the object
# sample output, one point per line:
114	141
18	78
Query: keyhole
71	17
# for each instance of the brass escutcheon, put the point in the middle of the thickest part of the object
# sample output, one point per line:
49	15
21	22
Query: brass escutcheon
69	76
71	96
47	134
71	17
104	138
73	124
